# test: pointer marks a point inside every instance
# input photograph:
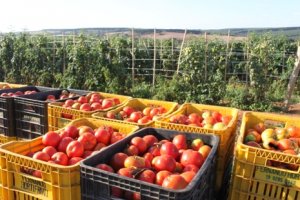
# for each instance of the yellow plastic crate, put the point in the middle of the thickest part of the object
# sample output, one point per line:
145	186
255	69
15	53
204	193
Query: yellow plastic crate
140	104
4	139
57	182
55	111
10	85
252	176
227	135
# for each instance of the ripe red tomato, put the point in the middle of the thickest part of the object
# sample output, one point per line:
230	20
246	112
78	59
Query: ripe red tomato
155	150
286	144
116	101
116	136
51	97
60	158
41	156
150	140
74	149
123	115
107	103
191	167
164	162
147	176
180	141
117	161
96	106
63	134
72	131
146	111
110	115
260	127
103	135
194	118
191	157
209	120
95	98
175	182
105	167
188	176
140	144
144	120
161	175
126	172
293	131
149	157
162	110
62	146
83	129
132	150
74	160
135	116
51	139
82	100
128	110
69	102
50	150
88	140
217	116
135	161
169	148
85	107
154	111
204	150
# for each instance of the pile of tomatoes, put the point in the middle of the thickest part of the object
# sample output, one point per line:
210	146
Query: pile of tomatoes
285	140
91	102
207	119
169	163
130	114
73	144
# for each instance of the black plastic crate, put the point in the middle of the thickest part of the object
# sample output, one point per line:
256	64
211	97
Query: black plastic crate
7	115
7	121
31	112
96	183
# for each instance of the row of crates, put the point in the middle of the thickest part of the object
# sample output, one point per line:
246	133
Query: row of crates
248	174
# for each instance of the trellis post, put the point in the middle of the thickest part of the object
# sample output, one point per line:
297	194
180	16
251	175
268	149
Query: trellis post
154	58
293	80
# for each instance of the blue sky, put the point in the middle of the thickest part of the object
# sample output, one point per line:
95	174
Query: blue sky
16	15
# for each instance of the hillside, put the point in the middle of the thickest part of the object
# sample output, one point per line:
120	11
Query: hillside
291	32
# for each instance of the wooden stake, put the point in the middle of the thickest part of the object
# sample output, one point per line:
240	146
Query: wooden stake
133	57
64	51
179	57
53	46
293	80
154	58
205	57
226	57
